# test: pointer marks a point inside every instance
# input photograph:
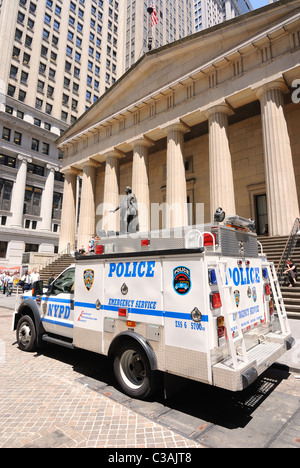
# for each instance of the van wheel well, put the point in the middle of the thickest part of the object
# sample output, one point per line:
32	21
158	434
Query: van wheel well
131	358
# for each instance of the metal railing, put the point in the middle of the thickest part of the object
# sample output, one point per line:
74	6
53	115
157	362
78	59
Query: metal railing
288	250
53	259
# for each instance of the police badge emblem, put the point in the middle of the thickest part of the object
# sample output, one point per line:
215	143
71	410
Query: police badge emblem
181	280
236	294
254	294
88	278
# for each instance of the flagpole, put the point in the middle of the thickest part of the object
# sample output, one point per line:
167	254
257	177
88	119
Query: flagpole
150	37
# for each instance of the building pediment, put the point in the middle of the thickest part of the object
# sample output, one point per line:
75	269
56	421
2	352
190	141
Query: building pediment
187	75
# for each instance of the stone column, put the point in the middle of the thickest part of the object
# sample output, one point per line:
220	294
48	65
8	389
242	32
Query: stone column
19	192
220	166
111	191
68	219
87	214
176	196
47	199
140	181
282	199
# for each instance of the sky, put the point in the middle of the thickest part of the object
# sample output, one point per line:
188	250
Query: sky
259	3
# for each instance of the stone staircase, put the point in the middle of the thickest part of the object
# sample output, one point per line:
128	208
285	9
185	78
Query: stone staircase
273	248
56	267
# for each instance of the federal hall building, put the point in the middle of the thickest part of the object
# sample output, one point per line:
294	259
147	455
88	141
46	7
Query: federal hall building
209	120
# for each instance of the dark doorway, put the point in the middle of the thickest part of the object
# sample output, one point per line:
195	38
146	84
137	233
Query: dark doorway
261	213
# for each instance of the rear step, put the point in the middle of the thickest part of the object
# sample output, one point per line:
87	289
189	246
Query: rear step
59	341
260	357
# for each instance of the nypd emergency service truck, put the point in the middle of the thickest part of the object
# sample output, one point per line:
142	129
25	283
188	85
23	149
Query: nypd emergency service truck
205	305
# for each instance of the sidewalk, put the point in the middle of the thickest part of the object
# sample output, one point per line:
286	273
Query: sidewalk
291	358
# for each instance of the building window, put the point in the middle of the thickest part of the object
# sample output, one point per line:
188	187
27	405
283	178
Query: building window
11	90
6	187
17	138
32	200
35	144
6	134
22	95
7	160
38	103
57	205
13	71
49	109
35	169
31	247
24	77
64	116
3	249
8	110
45	148
26	59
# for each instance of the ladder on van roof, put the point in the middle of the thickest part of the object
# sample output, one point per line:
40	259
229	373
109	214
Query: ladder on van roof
277	297
229	309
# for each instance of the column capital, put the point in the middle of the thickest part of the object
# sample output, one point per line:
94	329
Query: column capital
70	171
113	153
141	140
52	167
278	84
176	125
90	163
218	108
25	158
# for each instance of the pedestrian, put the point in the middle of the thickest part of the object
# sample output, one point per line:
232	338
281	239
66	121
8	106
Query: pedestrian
5	282
26	279
266	230
292	272
92	246
35	276
82	250
51	279
10	284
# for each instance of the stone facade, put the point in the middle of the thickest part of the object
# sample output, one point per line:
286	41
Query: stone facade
211	119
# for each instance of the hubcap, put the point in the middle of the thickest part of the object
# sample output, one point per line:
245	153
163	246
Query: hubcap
25	334
132	369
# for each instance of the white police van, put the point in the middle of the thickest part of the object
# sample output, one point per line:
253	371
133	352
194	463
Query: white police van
205	306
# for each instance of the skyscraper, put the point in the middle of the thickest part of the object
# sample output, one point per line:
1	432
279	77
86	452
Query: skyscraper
174	21
57	57
210	12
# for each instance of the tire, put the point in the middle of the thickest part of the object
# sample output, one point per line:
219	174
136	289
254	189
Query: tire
132	370
26	334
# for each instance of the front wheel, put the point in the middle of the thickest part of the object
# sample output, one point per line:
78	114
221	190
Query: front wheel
26	334
132	370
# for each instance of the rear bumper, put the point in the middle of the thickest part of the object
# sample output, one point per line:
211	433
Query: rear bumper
259	358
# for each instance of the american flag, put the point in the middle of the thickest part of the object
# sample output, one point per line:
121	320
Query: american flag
154	19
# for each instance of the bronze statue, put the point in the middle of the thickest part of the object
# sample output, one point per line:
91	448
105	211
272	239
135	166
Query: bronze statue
128	212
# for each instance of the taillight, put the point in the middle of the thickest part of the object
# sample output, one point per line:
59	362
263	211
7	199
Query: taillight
209	239
215	300
271	307
267	290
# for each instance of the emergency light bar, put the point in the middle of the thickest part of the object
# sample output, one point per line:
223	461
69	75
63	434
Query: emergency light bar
238	221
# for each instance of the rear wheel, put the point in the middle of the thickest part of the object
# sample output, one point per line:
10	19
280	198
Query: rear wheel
132	370
26	334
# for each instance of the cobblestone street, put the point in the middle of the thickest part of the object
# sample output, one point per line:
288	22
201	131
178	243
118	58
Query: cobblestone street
44	405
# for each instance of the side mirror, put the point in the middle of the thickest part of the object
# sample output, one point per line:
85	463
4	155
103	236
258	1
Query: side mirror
37	289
